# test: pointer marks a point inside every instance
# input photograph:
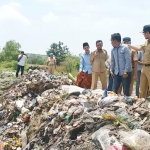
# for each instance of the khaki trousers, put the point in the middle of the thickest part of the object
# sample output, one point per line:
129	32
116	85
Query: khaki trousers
144	81
131	85
103	79
51	69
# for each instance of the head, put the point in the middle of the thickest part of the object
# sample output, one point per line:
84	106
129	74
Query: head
99	44
51	55
115	39
126	40
86	47
22	52
146	31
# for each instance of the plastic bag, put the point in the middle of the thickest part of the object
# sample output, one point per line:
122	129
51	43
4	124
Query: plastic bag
103	140
136	139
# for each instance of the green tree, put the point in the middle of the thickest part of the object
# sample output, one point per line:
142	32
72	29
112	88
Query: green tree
10	51
60	51
71	64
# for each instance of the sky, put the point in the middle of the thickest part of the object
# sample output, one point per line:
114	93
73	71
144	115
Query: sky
36	24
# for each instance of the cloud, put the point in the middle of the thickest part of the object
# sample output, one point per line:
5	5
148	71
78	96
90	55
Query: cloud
50	17
9	12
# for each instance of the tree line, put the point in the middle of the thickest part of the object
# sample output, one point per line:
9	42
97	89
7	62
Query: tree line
65	60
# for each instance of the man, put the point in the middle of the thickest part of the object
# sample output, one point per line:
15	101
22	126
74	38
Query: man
84	77
98	59
51	64
140	58
21	62
145	72
134	60
120	64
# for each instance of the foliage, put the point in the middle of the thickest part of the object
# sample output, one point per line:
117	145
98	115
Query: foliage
71	64
60	51
10	51
36	59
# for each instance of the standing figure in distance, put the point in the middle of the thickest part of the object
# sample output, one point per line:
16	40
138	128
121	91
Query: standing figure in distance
84	77
21	62
121	66
51	64
98	59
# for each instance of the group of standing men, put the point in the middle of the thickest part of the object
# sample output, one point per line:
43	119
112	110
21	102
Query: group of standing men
127	65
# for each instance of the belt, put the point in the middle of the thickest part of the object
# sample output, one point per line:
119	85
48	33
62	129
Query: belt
147	65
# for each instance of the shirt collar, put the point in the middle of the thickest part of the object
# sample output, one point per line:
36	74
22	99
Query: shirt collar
86	53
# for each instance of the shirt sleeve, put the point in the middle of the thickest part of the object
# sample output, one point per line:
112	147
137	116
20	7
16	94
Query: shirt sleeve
92	57
142	47
128	59
81	63
112	64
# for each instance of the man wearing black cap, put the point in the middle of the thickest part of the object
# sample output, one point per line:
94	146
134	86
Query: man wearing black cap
84	77
21	62
145	73
121	67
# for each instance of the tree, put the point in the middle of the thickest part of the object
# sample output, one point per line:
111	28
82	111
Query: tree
10	51
60	51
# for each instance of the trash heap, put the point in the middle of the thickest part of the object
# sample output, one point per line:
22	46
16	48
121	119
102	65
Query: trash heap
45	112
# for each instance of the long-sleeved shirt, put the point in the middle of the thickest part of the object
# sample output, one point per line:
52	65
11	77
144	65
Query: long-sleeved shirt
140	58
85	64
121	60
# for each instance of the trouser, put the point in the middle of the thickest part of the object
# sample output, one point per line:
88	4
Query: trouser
18	69
125	83
103	79
138	82
131	84
110	84
51	69
144	81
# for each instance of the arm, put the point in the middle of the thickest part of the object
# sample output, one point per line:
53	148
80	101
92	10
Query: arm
92	57
47	62
112	64
81	64
128	59
137	48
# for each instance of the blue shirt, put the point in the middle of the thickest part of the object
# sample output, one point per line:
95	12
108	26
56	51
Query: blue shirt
85	64
140	58
121	60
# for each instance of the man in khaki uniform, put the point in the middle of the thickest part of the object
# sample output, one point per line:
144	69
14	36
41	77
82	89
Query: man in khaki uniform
145	72
98	59
51	63
134	61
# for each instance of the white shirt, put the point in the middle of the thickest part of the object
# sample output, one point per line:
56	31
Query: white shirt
22	60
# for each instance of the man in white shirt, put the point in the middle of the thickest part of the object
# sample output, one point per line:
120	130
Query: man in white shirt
21	62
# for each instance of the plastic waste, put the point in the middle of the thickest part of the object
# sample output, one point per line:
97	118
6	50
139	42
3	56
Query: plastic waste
105	93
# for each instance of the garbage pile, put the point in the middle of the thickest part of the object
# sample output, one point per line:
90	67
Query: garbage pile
45	112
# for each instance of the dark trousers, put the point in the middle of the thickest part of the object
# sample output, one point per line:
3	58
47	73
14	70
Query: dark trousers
110	83
125	83
18	69
138	82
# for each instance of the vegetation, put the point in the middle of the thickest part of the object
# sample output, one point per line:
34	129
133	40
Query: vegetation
65	61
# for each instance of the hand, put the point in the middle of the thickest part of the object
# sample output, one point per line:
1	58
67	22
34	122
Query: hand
112	74
125	75
140	63
129	45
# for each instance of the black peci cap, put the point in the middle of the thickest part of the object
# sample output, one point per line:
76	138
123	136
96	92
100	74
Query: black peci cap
126	39
146	28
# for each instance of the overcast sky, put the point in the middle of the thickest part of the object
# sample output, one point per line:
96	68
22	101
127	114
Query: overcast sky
35	24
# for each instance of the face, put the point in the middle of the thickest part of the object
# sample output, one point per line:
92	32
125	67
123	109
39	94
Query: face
113	43
99	45
86	48
129	42
146	35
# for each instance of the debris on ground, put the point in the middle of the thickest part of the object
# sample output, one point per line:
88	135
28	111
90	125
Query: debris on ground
45	112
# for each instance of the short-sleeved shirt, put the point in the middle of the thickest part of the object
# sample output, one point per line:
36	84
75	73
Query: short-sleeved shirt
98	60
22	60
146	48
134	57
51	61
